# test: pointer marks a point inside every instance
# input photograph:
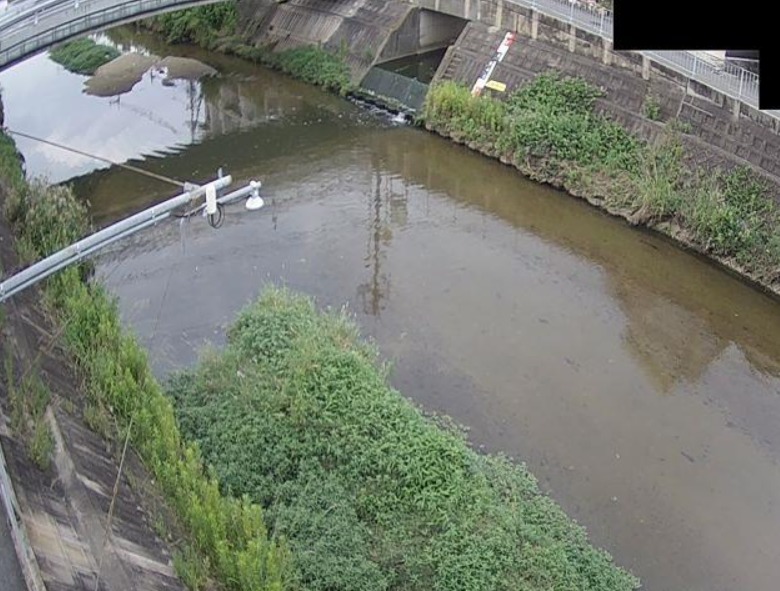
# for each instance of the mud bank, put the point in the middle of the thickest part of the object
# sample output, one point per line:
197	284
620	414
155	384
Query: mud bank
120	75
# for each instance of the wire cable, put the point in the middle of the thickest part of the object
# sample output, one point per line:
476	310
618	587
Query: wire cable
153	175
215	220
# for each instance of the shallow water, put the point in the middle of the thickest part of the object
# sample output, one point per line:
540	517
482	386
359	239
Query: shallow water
639	383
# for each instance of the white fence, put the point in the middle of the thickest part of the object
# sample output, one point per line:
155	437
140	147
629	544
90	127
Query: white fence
728	78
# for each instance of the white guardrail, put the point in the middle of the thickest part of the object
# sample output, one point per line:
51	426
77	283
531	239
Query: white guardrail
728	78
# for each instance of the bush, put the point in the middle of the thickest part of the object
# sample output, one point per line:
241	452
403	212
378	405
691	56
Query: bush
83	56
297	415
652	108
229	534
731	215
549	117
202	25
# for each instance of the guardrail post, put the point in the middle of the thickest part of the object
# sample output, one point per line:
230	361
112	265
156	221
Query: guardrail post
606	56
601	25
741	82
534	24
695	61
571	12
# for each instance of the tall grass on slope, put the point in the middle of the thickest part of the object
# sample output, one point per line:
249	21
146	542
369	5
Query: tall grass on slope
297	415
550	125
228	535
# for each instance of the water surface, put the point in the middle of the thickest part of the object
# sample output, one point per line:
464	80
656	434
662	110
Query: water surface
640	384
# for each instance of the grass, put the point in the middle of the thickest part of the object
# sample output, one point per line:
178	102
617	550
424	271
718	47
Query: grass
28	400
227	534
83	56
323	477
214	28
549	130
297	415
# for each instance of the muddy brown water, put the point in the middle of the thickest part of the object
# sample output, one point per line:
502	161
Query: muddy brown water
639	383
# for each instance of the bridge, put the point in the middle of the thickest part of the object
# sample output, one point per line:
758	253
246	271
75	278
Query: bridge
28	27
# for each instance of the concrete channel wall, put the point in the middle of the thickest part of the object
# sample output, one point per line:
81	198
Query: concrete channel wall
721	131
358	29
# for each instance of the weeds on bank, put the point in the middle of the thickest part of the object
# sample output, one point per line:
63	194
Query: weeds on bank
83	56
228	534
214	27
28	400
297	414
730	214
202	25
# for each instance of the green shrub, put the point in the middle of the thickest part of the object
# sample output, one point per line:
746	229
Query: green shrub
652	108
83	56
297	415
551	119
202	25
229	534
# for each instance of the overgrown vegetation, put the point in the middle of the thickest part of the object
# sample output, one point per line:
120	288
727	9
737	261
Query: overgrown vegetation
83	56
297	415
28	398
202	25
309	63
548	129
229	534
214	27
550	118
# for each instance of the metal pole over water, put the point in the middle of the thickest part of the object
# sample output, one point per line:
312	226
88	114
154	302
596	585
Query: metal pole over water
127	227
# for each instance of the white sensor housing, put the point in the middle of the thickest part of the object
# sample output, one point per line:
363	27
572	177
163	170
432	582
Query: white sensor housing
211	199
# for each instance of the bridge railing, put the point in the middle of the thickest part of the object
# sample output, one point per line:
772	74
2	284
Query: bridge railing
26	31
728	78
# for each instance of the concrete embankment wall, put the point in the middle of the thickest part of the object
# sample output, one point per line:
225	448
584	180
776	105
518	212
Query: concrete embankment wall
421	31
721	130
358	29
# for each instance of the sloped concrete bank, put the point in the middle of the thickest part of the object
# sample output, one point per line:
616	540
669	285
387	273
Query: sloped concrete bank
731	131
357	30
625	100
79	528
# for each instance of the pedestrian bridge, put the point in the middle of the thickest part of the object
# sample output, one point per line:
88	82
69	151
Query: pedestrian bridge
28	27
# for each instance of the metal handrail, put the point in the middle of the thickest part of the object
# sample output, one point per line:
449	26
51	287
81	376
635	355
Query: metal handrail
728	78
62	19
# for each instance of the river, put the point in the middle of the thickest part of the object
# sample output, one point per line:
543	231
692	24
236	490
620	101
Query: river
638	382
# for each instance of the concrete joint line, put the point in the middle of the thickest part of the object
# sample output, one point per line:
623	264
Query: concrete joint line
90	527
